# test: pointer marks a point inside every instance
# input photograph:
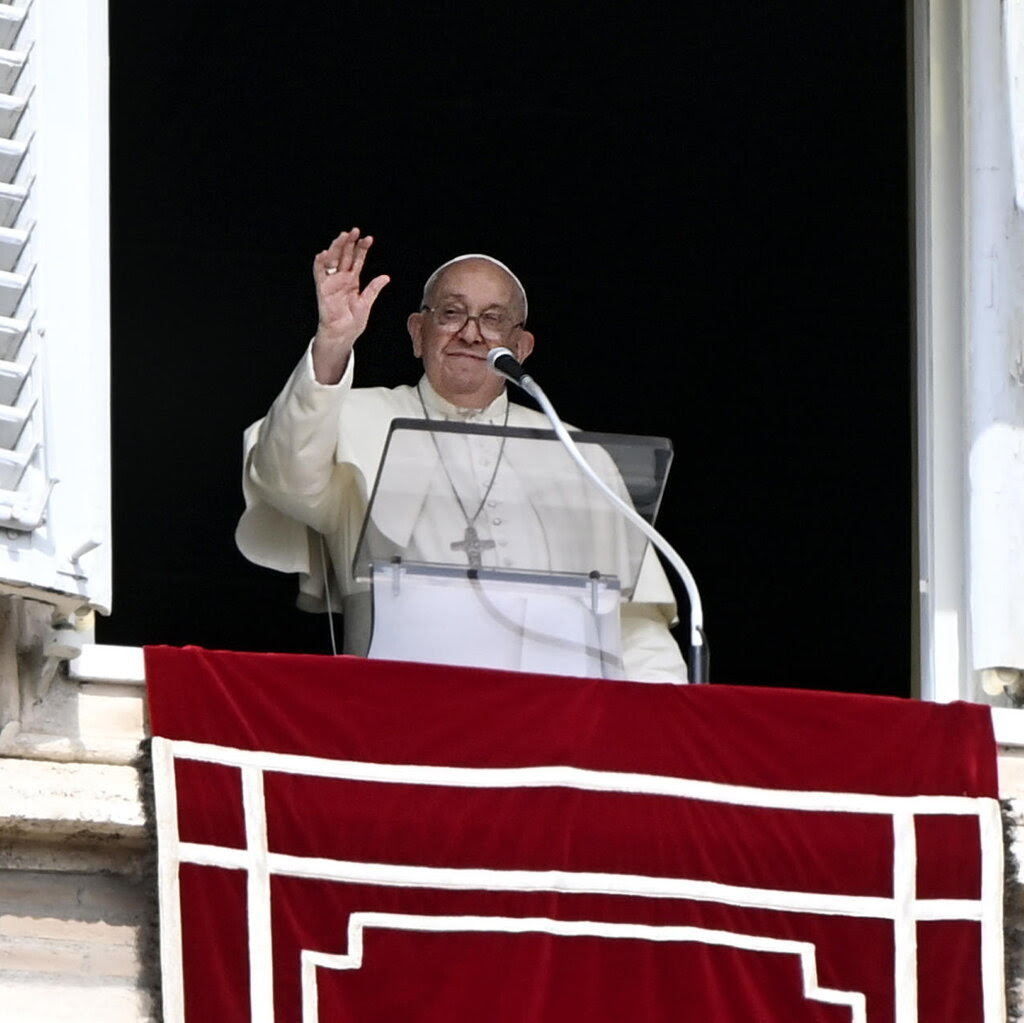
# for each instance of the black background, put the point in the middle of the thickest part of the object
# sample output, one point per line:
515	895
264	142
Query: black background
707	204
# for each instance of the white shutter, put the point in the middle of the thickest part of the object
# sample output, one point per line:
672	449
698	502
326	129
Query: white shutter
54	303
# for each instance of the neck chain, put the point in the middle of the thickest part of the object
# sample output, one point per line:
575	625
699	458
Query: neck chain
471	542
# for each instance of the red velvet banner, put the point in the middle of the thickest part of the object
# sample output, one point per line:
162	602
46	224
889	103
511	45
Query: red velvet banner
344	839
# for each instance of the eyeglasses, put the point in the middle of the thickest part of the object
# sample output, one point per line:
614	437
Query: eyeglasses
493	325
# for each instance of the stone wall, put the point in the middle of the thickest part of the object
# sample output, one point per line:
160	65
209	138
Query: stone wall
78	913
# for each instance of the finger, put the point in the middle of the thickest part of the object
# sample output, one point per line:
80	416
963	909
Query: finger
373	289
348	250
334	253
325	260
360	253
321	261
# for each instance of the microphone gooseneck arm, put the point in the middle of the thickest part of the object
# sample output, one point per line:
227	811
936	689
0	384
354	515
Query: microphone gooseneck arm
505	364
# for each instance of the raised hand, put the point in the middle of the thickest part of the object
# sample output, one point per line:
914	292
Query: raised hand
343	309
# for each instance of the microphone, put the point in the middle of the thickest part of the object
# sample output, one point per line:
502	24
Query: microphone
505	364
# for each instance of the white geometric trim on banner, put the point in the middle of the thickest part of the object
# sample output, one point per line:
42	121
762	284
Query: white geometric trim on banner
359	922
904	908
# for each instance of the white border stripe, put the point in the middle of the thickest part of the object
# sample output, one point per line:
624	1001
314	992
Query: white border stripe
165	794
580	883
904	909
904	890
560	776
310	991
359	922
261	958
947	909
990	825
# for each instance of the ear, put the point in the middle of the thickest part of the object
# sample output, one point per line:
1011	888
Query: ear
415	327
523	345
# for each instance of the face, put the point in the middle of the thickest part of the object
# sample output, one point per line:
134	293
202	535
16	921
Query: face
456	362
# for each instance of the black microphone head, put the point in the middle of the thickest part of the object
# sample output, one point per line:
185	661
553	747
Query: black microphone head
504	362
496	353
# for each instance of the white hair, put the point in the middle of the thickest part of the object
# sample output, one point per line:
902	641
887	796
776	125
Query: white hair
436	276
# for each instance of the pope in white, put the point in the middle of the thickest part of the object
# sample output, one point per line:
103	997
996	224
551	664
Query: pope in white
310	463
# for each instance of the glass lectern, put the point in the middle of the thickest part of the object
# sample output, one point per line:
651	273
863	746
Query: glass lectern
486	546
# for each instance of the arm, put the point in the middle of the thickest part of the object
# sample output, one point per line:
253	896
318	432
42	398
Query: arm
290	464
290	453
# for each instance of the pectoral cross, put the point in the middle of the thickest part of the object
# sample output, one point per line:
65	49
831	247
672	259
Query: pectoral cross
472	545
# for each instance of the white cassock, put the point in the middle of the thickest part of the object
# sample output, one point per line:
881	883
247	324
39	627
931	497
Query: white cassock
309	468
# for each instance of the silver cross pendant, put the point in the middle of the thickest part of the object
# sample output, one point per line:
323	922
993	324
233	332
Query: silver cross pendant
473	545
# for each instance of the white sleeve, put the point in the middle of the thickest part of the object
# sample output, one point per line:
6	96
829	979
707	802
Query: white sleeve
649	652
287	499
290	460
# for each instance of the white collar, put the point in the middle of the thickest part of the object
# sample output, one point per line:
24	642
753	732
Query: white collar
436	405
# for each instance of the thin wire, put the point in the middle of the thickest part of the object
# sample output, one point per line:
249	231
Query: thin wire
327	593
534	389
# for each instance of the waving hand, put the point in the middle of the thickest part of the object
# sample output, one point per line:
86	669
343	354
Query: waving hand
343	309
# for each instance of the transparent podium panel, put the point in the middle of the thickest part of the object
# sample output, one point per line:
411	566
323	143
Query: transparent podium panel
510	499
487	546
519	621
